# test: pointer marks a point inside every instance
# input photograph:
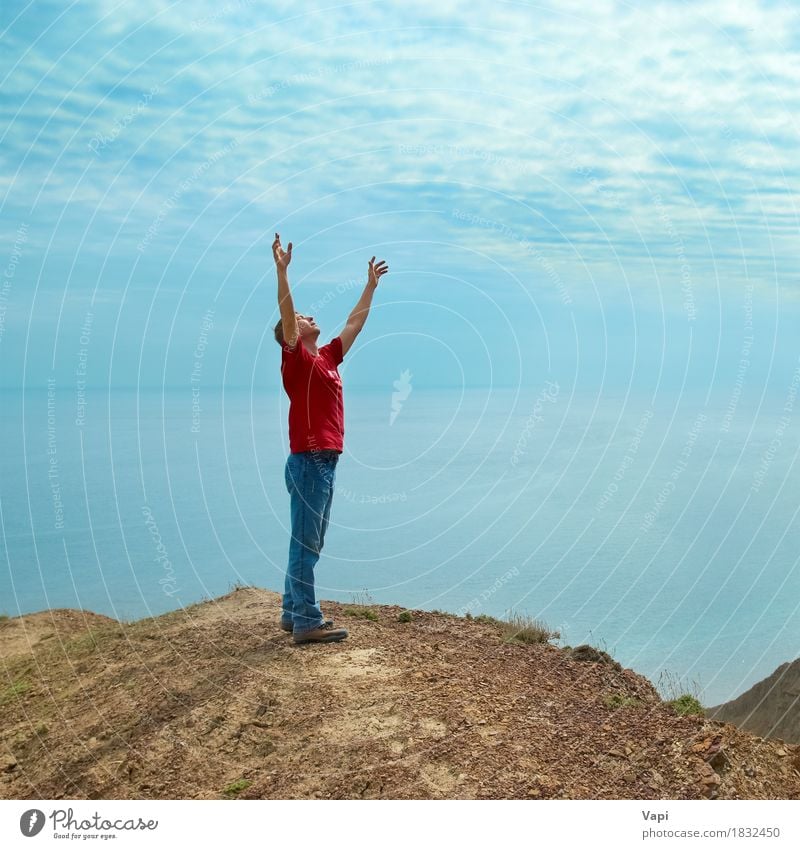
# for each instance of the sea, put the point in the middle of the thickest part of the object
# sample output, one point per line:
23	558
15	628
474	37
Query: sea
660	528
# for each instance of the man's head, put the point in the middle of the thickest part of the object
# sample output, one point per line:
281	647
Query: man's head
306	327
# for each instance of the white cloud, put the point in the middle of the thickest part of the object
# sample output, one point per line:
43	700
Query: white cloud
566	107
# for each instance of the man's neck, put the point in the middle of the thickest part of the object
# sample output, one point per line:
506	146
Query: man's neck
311	346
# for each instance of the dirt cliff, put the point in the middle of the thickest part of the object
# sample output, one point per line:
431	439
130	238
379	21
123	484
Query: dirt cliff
214	701
770	708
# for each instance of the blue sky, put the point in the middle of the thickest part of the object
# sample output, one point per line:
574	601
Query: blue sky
598	193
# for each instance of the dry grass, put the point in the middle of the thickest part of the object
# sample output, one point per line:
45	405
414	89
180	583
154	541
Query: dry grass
521	628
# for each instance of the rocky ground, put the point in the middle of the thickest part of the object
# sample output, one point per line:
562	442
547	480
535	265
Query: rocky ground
214	701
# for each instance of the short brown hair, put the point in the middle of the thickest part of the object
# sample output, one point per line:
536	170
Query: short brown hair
279	332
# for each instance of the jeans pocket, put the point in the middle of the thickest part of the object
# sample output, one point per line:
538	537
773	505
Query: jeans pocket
329	473
293	473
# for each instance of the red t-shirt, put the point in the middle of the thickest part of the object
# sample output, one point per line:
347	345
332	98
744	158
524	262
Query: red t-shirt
314	387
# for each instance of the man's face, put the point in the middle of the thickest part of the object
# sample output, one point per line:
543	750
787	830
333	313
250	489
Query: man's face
306	326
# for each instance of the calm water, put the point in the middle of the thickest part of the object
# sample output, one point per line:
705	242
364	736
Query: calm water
635	524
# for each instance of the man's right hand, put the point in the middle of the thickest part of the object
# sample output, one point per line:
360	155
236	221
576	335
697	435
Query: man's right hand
282	257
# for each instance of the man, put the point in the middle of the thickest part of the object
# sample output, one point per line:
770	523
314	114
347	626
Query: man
316	439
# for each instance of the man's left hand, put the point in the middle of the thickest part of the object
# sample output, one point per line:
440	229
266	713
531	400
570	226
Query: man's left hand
376	270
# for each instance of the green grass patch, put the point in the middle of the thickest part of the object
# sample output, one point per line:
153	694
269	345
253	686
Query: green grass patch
617	700
14	691
682	697
487	620
362	602
445	613
405	616
91	641
686	705
236	787
82	645
362	613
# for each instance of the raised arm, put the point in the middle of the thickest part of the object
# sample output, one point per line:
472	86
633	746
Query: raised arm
358	316
285	302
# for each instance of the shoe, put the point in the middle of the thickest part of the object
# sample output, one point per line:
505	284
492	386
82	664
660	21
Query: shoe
326	633
289	627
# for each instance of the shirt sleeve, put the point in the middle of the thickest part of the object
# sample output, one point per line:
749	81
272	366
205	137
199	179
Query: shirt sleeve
336	349
293	358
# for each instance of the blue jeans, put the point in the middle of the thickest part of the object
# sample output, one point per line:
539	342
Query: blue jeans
310	478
